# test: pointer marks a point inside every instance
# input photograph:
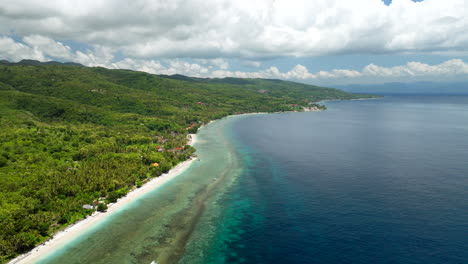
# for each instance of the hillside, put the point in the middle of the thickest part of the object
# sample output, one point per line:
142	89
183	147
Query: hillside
71	135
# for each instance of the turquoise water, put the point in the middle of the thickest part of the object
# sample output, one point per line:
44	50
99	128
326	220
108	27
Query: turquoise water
157	226
374	181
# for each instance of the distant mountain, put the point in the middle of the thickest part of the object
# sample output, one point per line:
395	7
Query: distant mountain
38	63
408	88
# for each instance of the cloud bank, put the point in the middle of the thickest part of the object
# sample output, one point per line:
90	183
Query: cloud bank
248	29
454	69
42	48
201	38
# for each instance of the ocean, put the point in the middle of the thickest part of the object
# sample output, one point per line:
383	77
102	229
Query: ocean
366	181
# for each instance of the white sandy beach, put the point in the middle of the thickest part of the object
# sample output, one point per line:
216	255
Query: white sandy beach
73	231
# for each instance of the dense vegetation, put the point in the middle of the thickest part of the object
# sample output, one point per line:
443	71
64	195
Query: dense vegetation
72	135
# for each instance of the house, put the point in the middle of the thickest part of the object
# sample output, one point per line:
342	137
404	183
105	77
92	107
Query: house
189	127
88	206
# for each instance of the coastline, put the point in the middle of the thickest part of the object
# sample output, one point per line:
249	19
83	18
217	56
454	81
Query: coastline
73	231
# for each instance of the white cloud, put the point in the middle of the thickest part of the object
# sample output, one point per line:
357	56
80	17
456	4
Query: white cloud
49	46
12	50
244	29
99	56
146	66
168	67
454	69
43	49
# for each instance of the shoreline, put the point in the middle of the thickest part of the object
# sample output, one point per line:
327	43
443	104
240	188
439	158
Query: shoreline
73	231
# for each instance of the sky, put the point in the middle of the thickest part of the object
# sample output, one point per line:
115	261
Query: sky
323	42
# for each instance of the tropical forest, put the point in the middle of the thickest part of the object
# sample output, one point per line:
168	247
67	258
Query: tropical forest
72	136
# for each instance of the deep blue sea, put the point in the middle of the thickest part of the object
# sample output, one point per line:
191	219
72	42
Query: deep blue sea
369	181
364	182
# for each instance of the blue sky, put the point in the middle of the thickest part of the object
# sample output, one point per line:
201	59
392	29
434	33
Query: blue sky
388	2
322	42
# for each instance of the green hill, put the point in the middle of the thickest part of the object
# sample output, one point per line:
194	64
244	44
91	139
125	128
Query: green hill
71	135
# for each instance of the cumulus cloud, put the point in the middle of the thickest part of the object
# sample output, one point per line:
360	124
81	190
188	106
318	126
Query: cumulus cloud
12	50
43	49
455	69
48	46
243	29
206	38
168	67
448	68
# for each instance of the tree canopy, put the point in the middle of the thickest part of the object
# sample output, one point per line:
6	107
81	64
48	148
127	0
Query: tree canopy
72	135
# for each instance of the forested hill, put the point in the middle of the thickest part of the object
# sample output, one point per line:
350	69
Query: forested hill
72	135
